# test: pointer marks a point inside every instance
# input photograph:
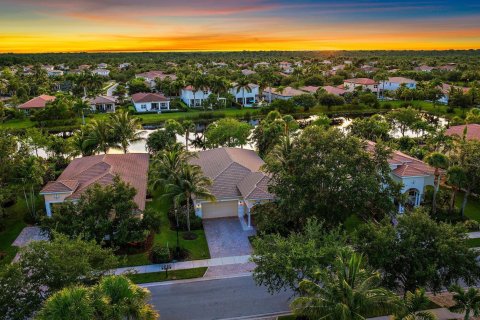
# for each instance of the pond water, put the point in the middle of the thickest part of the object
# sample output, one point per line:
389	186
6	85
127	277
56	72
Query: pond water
341	122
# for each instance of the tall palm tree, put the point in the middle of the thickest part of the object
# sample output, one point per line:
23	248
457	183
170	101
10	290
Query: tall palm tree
456	178
79	143
347	291
126	129
166	166
414	305
79	107
243	85
191	182
438	161
100	136
69	303
467	301
188	126
119	298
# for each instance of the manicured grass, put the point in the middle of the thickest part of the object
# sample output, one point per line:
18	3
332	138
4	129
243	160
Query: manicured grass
198	248
13	226
474	243
172	275
472	210
17	124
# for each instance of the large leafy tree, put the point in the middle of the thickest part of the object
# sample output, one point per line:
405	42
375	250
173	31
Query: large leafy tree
371	128
346	291
114	297
160	140
332	176
106	214
418	252
404	119
227	132
48	266
283	262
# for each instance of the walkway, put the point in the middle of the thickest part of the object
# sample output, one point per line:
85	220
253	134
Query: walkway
214	262
28	235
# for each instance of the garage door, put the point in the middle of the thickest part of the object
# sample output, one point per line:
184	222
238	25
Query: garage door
219	209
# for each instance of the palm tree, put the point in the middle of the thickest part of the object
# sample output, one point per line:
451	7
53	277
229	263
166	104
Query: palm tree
243	85
456	177
467	301
188	126
438	161
100	137
347	291
414	305
191	182
126	129
79	143
79	107
116	297
166	166
69	303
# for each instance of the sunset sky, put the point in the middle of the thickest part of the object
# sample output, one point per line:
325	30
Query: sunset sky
174	25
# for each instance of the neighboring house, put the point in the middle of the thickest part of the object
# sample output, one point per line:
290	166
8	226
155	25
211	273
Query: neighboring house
244	97
286	67
55	73
84	172
124	65
48	67
369	69
37	102
448	67
309	89
424	68
103	104
337	68
334	90
365	83
84	67
220	64
151	76
445	88
472	131
238	183
146	102
101	72
286	94
102	66
247	72
393	83
261	64
414	176
194	100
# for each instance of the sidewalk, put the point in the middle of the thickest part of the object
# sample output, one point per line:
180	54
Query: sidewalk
225	261
474	235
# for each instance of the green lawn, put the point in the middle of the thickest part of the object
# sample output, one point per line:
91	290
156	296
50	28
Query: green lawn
197	248
172	275
473	243
13	226
472	210
17	124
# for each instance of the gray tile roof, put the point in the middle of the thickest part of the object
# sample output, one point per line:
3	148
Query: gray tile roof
235	173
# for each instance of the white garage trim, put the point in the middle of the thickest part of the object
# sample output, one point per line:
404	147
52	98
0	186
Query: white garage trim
219	209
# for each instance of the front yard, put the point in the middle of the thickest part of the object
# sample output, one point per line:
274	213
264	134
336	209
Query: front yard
172	275
198	248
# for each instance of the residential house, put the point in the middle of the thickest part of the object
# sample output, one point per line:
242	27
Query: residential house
101	72
369	69
327	62
148	102
247	72
238	183
334	90
245	97
102	66
261	64
103	104
286	67
285	94
124	65
471	131
413	175
194	98
220	64
48	67
55	73
448	67
151	77
365	84
393	83
309	89
446	88
84	67
424	68
37	102
84	172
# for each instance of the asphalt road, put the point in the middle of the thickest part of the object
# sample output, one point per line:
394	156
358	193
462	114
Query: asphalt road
216	299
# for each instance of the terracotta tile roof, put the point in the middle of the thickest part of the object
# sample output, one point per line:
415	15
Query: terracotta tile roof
310	89
287	92
247	72
81	173
37	102
334	90
148	97
362	81
473	131
190	88
152	75
406	166
102	100
235	173
445	88
400	80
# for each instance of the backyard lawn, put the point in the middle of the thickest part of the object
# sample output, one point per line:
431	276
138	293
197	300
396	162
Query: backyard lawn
198	248
172	275
472	209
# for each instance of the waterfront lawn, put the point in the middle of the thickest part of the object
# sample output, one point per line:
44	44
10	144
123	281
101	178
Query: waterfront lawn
198	248
472	210
172	275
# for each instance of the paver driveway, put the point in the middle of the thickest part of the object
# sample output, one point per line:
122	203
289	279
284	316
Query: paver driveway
226	237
